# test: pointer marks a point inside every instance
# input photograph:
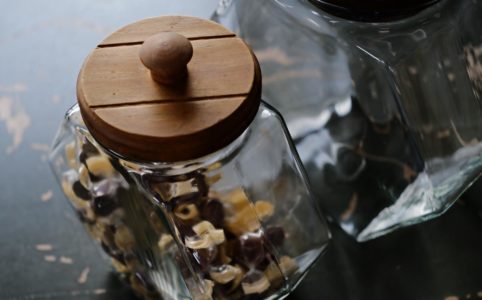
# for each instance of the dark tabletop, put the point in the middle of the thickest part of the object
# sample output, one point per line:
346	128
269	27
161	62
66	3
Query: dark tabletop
45	252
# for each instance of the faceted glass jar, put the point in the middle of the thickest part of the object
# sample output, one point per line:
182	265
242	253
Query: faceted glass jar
236	224
386	115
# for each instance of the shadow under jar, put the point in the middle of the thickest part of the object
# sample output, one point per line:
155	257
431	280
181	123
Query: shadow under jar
188	181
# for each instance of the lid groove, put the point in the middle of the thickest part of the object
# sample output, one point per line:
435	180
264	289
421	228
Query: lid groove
189	38
161	101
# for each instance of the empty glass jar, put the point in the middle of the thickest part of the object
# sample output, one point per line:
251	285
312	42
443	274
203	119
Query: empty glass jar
382	100
183	215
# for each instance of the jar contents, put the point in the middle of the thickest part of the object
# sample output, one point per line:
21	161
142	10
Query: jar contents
101	196
231	248
223	234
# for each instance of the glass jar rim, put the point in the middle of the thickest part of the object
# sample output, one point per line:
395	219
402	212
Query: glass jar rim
373	11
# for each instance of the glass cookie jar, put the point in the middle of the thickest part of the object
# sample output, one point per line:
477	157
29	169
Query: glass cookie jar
382	99
189	182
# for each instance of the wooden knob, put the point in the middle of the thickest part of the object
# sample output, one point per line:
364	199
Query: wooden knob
166	54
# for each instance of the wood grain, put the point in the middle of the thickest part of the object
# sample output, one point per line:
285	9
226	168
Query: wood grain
173	130
113	76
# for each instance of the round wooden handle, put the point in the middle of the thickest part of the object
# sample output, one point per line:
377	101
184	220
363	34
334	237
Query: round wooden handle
166	54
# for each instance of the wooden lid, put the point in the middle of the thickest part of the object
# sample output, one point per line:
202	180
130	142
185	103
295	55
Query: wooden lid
169	112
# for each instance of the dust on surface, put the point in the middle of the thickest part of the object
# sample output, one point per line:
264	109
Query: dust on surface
16	120
47	196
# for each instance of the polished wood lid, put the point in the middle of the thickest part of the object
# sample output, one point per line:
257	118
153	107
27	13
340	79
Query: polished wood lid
138	98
